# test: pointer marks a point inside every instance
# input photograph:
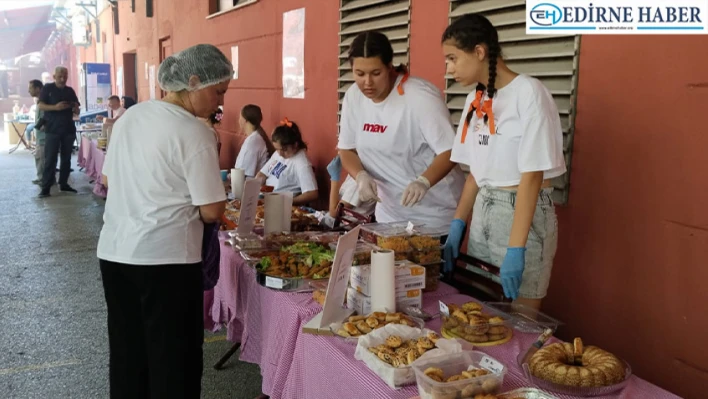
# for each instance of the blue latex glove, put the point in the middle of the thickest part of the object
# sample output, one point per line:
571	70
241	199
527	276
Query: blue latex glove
452	244
511	271
335	169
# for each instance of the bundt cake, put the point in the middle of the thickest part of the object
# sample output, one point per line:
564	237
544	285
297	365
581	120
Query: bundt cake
572	365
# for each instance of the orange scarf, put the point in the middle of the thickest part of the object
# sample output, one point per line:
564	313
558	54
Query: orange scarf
481	108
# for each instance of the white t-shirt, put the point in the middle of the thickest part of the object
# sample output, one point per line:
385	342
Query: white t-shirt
529	136
161	165
349	193
293	174
253	155
115	113
397	141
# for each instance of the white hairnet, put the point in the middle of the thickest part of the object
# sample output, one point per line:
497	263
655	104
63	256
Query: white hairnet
203	60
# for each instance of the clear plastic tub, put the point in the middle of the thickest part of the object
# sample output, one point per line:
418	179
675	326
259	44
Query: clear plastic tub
432	276
525	319
426	256
372	231
248	241
362	252
422	242
453	365
490	327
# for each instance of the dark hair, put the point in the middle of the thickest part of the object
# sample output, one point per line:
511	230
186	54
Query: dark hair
36	83
215	117
114	98
472	30
372	44
288	134
253	115
128	102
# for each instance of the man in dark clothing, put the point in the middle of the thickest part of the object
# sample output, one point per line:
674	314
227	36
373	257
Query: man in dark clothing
59	103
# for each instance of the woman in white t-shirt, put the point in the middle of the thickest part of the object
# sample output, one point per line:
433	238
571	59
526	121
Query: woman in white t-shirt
163	187
396	137
257	148
289	169
511	138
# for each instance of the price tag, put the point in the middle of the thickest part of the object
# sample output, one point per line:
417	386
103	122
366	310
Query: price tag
491	365
410	227
272	282
444	309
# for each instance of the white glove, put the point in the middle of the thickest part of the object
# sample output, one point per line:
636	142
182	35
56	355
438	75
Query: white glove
367	187
415	191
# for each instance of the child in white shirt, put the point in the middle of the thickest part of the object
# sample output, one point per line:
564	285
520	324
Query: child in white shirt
257	148
511	138
289	169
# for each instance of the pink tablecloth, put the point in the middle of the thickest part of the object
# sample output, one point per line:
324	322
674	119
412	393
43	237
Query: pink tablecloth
268	323
91	158
320	361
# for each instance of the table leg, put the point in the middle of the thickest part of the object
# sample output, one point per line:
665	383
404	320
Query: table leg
22	140
227	356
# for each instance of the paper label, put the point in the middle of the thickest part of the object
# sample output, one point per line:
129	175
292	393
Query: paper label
491	365
444	310
272	282
249	206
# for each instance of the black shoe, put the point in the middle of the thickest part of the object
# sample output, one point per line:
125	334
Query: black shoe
67	189
44	194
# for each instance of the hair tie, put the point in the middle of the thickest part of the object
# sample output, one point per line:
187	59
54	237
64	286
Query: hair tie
406	74
286	122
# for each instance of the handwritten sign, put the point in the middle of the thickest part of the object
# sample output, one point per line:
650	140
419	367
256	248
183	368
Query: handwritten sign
332	310
249	206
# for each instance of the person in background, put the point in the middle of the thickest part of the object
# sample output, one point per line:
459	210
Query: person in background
163	187
289	169
511	138
115	110
59	103
347	193
396	137
35	88
127	102
257	148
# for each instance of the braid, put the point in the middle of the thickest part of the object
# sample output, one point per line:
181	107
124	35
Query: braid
468	117
491	90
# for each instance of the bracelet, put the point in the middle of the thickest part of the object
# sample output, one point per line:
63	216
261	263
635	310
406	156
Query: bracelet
423	180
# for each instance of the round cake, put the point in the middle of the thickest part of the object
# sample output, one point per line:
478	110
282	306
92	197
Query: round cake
573	365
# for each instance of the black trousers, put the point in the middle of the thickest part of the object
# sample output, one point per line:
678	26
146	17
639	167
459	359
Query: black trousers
54	143
155	330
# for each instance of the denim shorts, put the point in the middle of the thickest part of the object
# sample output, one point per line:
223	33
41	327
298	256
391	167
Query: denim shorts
490	229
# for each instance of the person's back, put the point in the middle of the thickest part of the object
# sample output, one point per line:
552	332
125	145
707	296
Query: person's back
150	214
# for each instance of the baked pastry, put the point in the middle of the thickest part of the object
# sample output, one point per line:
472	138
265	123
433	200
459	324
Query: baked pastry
574	365
434	371
469	322
372	322
394	341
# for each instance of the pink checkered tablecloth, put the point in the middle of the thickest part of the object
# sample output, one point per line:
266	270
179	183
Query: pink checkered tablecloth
268	323
324	367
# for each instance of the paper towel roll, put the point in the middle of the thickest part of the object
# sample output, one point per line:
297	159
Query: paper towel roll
383	281
273	208
238	179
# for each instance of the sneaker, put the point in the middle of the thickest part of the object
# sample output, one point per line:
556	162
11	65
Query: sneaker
67	189
44	194
36	181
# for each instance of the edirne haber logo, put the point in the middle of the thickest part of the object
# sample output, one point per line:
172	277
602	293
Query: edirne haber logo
617	17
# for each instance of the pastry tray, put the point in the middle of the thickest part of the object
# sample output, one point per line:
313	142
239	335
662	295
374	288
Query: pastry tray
286	284
578	391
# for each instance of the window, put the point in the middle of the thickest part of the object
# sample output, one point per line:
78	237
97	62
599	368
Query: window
391	17
225	5
552	59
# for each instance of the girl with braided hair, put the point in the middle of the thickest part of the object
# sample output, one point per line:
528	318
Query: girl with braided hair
511	138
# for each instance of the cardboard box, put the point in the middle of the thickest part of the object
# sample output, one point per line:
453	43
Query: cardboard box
361	303
409	276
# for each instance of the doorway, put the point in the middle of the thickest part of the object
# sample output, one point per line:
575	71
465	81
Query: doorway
130	81
165	51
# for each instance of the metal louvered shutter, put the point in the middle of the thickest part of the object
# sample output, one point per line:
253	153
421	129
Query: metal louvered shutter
551	59
391	17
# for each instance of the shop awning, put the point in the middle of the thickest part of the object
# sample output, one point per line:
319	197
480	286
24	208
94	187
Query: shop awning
24	30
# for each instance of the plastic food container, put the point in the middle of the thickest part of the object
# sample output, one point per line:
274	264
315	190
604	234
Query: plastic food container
282	283
526	393
372	231
362	252
525	319
426	256
423	242
248	241
481	333
453	365
432	276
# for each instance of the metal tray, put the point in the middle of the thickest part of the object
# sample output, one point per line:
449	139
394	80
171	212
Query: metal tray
292	284
526	393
